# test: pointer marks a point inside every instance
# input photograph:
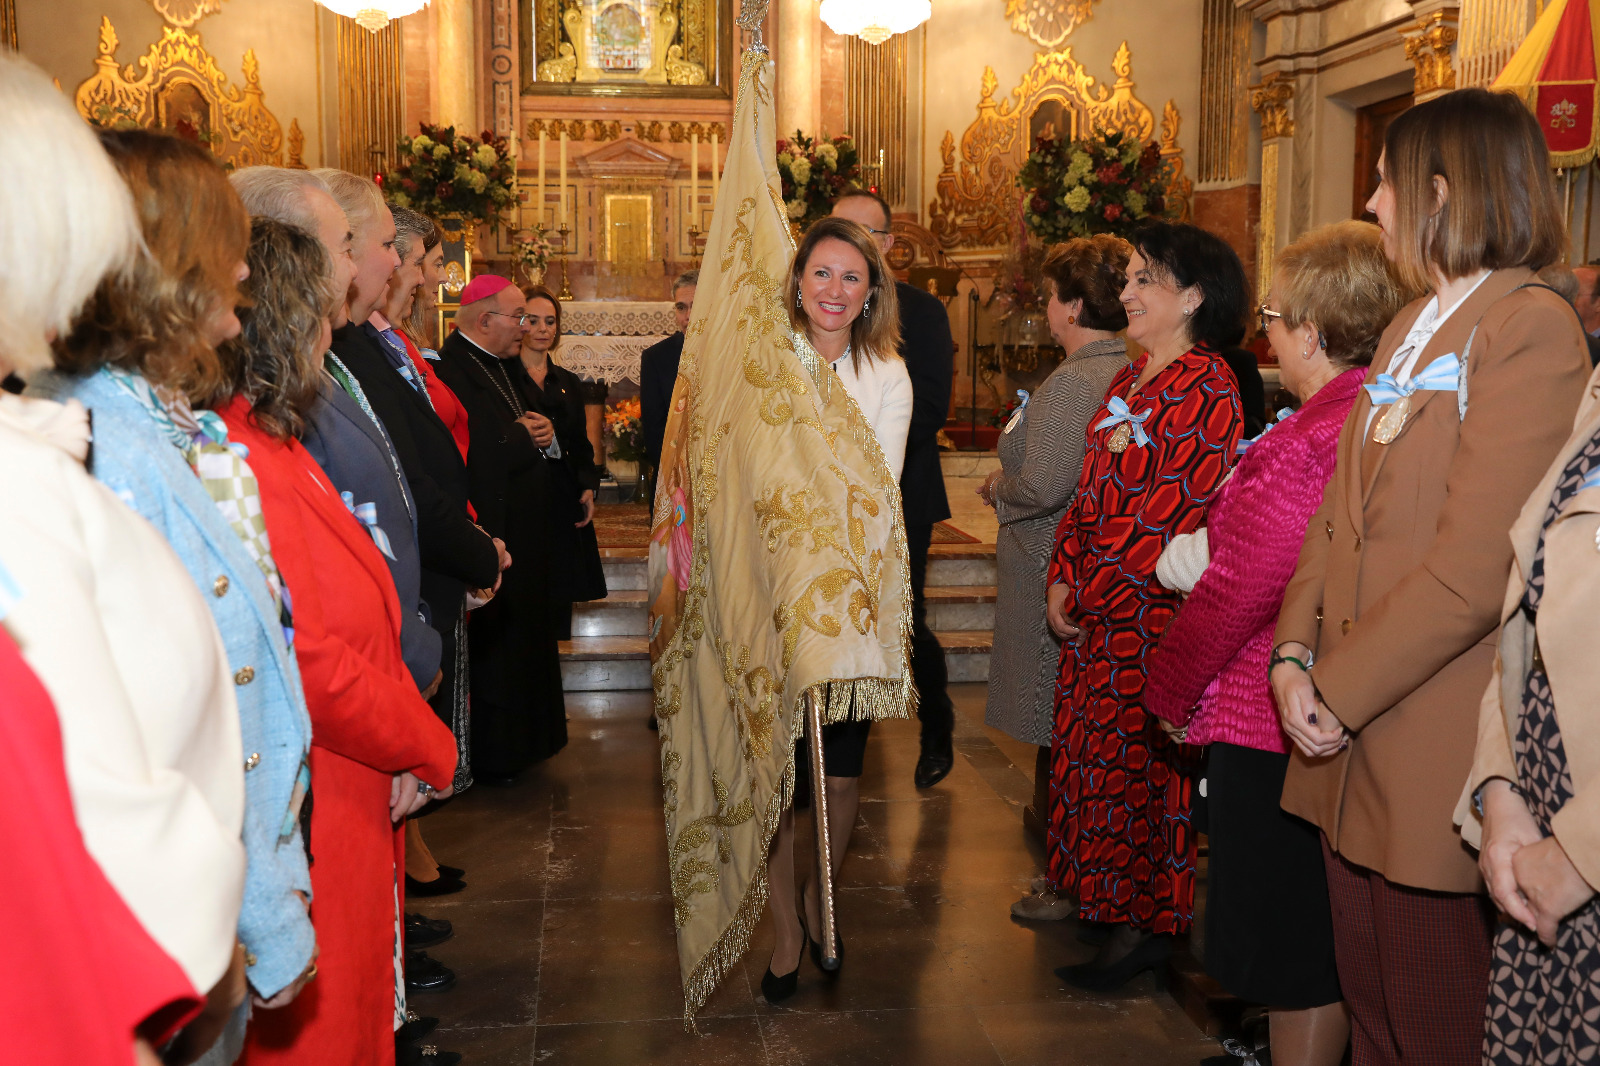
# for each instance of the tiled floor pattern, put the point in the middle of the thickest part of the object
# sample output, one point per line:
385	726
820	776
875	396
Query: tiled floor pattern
564	944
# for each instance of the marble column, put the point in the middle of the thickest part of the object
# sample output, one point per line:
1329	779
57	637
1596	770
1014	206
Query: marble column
457	68
799	66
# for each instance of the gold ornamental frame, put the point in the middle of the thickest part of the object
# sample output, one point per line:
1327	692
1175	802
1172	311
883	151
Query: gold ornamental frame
692	58
178	80
976	196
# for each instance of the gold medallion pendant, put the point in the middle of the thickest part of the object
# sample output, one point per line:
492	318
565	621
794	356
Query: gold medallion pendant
1392	421
1118	441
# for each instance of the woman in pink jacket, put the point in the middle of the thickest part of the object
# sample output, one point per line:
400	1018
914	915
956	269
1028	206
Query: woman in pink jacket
1269	936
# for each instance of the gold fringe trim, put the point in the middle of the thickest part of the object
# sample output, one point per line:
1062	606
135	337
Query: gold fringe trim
734	941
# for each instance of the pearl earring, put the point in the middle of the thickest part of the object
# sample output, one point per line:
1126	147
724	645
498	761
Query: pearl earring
1187	311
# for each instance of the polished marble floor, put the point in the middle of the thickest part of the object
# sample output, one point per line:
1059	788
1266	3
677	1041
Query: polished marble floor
564	945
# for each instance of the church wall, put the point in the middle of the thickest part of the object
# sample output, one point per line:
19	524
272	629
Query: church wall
287	35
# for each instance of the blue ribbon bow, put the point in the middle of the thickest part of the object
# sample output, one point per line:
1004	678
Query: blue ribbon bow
1443	374
1283	413
1022	394
367	515
1120	413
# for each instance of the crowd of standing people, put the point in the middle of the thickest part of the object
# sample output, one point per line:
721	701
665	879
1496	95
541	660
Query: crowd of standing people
260	547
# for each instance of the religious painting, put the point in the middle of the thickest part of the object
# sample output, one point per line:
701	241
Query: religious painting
1051	118
182	107
627	47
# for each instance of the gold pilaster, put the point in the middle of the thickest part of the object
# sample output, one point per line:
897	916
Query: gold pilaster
1428	47
1273	101
1224	96
875	109
371	97
1267	230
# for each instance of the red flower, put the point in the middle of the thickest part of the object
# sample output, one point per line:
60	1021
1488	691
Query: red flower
1109	174
408	185
1113	212
445	190
1039	204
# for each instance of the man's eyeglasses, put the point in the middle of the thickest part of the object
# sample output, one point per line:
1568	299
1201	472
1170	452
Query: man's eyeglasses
1263	313
522	320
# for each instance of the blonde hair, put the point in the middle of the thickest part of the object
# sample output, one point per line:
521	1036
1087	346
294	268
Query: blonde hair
153	318
876	332
360	198
66	218
1338	279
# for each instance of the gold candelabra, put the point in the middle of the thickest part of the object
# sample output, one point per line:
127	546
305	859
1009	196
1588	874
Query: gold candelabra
566	288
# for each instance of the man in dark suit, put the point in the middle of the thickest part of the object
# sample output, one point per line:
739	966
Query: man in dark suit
456	555
658	371
929	353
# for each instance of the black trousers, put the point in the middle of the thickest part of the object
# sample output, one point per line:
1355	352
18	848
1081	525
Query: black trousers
936	712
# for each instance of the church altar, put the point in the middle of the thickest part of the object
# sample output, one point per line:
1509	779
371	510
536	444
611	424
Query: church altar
602	340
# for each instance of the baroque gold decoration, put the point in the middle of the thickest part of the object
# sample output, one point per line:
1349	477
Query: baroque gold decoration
1267	230
976	198
1429	53
875	110
1047	23
612	44
371	97
1180	190
177	84
297	146
185	13
1272	100
1224	93
577	129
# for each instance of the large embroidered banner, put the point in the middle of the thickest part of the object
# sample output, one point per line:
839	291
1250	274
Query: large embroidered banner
777	562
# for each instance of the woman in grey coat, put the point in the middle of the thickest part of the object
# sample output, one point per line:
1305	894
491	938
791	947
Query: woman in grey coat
1041	455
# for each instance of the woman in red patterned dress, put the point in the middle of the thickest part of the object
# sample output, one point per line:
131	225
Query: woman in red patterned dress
1119	838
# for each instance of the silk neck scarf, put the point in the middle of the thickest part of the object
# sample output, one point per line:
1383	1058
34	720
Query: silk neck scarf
778	563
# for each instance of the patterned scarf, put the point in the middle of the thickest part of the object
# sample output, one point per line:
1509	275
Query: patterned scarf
201	437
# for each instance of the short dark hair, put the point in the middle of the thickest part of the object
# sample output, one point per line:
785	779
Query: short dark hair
1091	269
1191	257
867	194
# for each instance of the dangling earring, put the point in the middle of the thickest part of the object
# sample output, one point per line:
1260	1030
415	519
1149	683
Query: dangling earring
866	308
799	301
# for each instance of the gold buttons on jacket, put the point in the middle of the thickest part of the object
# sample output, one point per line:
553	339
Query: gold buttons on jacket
219	587
253	761
245	675
1344	627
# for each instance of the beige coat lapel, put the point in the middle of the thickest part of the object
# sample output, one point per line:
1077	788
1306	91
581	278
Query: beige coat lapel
1451	339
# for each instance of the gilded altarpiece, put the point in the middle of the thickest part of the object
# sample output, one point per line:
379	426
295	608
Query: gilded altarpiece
975	206
625	47
177	85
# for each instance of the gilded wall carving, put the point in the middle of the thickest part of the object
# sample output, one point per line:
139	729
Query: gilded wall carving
1429	52
177	85
185	13
1047	23
371	93
1272	100
975	205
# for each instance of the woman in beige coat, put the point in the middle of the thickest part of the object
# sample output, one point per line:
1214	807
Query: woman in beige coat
1398	588
1535	783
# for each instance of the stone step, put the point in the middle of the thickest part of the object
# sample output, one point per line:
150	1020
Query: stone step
618	663
954	608
625	612
626	569
961	564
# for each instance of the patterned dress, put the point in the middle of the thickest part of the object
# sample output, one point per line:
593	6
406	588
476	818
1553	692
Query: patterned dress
1544	1004
1119	837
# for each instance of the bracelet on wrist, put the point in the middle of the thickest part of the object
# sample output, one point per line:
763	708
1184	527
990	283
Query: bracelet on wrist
1279	658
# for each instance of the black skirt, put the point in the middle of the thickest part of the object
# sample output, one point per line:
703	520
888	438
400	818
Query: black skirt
1269	930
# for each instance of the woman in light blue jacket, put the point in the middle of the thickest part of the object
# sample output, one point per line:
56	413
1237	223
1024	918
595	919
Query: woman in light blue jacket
144	345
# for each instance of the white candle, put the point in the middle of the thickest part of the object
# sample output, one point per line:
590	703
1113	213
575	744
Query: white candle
563	190
538	212
716	169
694	177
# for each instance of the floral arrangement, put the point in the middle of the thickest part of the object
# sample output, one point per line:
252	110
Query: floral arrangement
625	427
1103	183
1019	283
1001	414
815	172
441	172
532	250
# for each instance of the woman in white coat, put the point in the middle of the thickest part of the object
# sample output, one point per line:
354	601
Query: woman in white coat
842	303
103	611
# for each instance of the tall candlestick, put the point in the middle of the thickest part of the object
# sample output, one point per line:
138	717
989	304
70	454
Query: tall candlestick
716	169
694	178
538	213
565	217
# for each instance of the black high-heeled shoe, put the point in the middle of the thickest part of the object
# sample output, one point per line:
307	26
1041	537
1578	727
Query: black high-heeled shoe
1094	977
816	948
775	989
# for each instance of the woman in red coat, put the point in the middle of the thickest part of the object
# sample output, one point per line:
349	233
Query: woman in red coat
1119	838
377	750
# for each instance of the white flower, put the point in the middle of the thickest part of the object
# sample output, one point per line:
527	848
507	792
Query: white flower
463	174
1077	199
1136	202
486	156
829	156
441	151
785	159
801	171
477	180
797	209
420	145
